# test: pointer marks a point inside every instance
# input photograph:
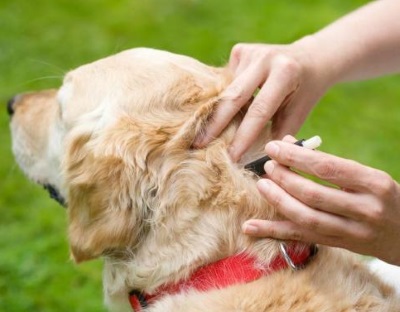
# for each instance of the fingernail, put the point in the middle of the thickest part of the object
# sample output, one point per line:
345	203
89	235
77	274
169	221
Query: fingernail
272	149
249	228
269	167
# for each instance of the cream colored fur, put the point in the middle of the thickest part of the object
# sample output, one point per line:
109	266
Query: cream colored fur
116	140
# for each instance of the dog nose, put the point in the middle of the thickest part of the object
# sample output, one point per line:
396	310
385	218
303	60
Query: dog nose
10	106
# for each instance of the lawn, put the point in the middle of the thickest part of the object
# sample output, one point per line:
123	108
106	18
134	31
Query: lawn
41	40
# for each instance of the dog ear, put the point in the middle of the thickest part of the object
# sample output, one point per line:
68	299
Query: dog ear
111	177
103	213
195	124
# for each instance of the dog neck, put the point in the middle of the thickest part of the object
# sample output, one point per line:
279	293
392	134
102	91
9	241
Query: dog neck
237	269
196	224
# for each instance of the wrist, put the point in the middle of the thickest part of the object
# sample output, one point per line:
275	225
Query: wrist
317	63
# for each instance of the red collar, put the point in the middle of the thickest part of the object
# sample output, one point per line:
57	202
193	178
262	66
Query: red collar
237	269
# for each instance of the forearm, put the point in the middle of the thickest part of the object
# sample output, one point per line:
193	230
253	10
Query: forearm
361	45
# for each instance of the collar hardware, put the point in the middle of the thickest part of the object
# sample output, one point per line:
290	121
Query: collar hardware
291	263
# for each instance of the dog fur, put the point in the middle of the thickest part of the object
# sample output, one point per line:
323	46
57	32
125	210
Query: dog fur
116	141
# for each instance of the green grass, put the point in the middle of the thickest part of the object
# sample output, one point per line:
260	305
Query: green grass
41	40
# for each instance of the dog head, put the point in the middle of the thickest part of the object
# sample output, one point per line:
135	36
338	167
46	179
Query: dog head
115	141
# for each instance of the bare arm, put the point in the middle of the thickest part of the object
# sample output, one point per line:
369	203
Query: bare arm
361	45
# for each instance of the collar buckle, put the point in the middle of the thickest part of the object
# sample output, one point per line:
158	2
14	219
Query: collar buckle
295	265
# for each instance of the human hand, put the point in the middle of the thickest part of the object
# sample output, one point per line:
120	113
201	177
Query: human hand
290	83
362	215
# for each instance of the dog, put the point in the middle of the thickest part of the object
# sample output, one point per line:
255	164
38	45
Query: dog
114	145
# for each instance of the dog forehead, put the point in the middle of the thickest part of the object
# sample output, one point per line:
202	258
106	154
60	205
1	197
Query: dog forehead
140	65
143	63
136	69
135	81
157	57
108	79
186	63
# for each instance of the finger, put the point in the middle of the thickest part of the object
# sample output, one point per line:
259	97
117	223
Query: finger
290	115
287	120
236	95
285	230
297	212
317	196
265	104
339	171
238	53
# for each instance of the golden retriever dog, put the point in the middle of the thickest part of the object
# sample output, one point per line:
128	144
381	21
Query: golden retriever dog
114	144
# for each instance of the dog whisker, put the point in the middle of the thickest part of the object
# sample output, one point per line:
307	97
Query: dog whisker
62	71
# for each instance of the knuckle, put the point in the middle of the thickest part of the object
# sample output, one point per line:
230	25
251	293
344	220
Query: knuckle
289	156
235	95
275	200
383	184
288	67
277	177
311	222
237	50
259	108
266	54
290	233
295	235
325	169
367	235
376	214
311	196
287	64
276	233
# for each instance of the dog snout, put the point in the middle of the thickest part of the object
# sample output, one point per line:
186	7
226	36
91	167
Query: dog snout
11	105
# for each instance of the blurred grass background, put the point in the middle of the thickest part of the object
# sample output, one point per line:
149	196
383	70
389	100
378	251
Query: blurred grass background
40	40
